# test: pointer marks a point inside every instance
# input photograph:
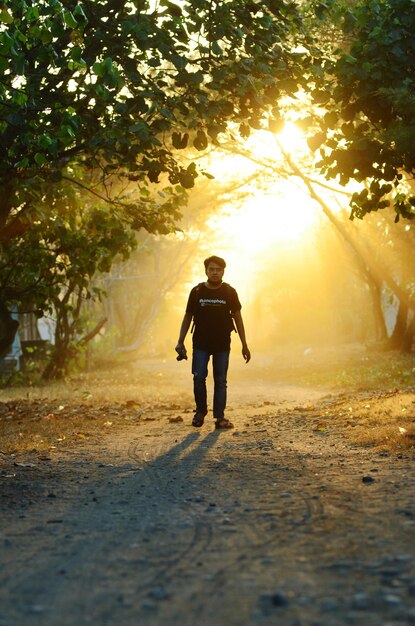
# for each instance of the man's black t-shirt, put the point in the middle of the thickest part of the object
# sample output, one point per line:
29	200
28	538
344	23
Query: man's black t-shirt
212	311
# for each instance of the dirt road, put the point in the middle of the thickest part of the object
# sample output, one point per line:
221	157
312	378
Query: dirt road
159	524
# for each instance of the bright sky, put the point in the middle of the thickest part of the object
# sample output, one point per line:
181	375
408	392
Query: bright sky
282	214
276	221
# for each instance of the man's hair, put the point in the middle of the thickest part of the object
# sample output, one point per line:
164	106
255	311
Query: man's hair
215	259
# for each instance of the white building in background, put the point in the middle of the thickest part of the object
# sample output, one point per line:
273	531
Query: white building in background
12	360
33	333
46	327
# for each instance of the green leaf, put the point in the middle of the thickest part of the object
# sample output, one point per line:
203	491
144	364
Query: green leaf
108	64
349	22
80	16
216	49
66	135
167	114
351	60
99	69
172	9
76	54
23	163
20	64
40	158
179	62
46	36
32	14
321	97
69	19
5	16
6	41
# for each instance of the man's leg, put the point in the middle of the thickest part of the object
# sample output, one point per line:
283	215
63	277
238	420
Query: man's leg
199	370
220	372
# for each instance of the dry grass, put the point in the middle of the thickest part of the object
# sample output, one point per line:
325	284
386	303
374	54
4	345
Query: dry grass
373	393
373	400
46	417
385	420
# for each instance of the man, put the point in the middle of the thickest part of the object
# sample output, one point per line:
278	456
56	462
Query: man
214	306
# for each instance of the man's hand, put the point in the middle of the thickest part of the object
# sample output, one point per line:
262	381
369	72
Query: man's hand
241	332
181	351
246	354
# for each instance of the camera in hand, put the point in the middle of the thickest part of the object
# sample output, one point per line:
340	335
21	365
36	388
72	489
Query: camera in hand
181	356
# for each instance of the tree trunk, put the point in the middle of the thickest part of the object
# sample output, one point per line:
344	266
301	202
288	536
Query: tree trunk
57	367
381	332
8	329
378	270
397	338
408	338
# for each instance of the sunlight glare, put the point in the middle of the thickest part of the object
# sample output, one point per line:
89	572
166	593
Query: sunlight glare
292	138
266	145
268	220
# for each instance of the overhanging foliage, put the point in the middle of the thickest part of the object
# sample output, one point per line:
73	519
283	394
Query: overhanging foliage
367	91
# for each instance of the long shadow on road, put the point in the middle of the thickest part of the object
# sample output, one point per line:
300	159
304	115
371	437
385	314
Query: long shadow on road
215	530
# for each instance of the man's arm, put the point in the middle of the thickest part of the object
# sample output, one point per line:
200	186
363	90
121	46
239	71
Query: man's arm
241	332
187	320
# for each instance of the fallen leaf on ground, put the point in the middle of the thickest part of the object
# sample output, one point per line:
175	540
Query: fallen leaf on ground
25	465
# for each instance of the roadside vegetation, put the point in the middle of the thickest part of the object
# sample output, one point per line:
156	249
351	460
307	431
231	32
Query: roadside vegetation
370	399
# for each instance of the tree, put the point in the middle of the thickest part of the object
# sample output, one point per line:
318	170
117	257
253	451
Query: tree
8	328
105	84
379	253
139	288
103	95
51	269
366	92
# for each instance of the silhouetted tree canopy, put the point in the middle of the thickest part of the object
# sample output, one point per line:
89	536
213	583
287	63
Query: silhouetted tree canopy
118	87
367	92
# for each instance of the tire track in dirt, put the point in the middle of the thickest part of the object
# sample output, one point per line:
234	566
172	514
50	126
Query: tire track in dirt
188	527
160	467
251	537
331	498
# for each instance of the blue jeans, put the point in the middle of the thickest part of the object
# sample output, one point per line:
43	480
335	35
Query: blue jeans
200	371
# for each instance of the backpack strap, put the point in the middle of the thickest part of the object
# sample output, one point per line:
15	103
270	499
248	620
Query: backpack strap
228	294
197	289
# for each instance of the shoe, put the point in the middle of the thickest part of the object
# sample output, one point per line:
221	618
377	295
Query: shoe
198	420
223	423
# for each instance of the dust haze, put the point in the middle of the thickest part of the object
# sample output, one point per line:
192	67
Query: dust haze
307	276
301	294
